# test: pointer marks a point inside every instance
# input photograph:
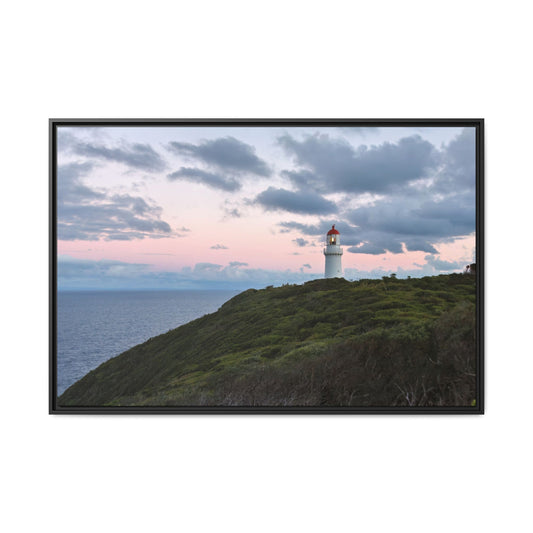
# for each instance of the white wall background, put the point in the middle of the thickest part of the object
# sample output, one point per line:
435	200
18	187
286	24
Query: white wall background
105	59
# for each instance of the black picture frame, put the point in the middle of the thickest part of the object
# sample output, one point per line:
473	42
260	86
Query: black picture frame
478	124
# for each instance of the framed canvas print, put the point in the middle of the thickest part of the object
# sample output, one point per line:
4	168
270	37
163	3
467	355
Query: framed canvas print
266	266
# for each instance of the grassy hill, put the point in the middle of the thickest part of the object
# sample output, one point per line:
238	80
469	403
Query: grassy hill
328	342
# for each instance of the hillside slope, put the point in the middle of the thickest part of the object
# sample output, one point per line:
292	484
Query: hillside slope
328	342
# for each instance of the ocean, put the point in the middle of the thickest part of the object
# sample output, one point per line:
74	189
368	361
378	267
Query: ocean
93	326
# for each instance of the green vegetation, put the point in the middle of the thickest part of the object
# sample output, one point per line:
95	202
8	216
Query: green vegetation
329	342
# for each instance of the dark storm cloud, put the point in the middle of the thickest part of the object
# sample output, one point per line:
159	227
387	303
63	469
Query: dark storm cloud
90	214
332	164
197	175
295	202
225	153
135	155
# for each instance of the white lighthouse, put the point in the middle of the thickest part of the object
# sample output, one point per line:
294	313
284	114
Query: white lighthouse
333	253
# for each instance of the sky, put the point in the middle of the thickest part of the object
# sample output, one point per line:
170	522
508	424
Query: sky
240	207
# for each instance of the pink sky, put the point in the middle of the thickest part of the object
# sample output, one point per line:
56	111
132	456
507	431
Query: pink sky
104	165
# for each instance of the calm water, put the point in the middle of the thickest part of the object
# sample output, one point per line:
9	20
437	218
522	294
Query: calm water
94	326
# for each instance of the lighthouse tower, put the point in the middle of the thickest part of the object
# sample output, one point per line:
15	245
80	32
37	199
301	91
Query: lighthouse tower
333	253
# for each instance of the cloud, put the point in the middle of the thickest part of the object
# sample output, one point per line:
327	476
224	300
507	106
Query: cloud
334	165
378	273
105	274
78	273
90	214
350	235
415	244
417	222
300	178
373	238
306	229
232	212
367	248
237	264
84	273
441	265
226	153
225	158
362	131
295	202
439	206
458	170
431	268
206	267
400	217
420	195
70	188
219	247
135	155
197	175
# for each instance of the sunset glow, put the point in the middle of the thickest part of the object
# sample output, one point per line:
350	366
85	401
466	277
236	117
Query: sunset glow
177	207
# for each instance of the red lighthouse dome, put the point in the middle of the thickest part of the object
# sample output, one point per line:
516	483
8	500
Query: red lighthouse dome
333	237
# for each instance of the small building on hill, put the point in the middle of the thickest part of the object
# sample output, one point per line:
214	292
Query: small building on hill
471	269
333	253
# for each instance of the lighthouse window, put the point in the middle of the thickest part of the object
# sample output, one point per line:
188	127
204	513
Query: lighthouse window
332	240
